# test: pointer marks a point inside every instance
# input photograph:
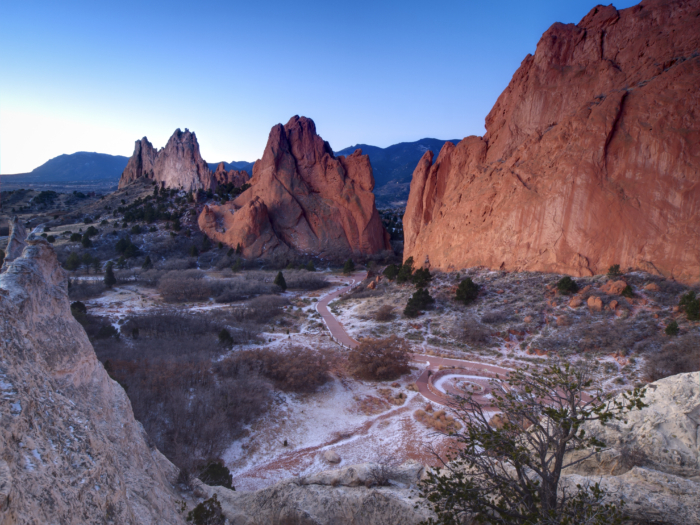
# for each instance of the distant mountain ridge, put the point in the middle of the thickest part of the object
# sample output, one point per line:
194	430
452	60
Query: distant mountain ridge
396	163
79	166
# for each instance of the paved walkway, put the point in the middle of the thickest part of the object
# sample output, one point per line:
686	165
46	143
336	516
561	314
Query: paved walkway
434	363
334	326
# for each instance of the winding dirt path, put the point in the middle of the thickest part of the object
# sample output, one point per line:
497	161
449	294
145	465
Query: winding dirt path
434	363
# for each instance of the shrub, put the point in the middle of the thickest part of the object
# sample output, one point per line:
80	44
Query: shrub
567	285
193	252
380	359
384	313
136	229
680	355
421	278
295	370
349	266
86	242
627	292
147	264
78	308
107	331
390	272
76	237
217	475
72	262
279	281
419	301
91	231
109	278
225	337
672	328
691	305
2	257
467	291
310	267
50	238
614	271
405	272
207	513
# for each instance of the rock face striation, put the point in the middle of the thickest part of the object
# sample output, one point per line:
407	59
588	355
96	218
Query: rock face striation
302	198
70	449
591	156
178	165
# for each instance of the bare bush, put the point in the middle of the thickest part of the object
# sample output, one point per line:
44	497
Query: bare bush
260	309
384	313
380	359
380	474
678	356
303	280
230	290
296	369
81	290
470	331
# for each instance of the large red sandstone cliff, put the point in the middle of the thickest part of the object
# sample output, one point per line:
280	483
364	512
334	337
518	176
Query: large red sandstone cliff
591	156
178	165
302	198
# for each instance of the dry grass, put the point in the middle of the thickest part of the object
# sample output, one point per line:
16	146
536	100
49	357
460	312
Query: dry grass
437	420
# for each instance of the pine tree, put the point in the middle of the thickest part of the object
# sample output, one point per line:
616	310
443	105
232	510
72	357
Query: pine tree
349	266
73	262
310	266
279	281
110	280
147	264
467	291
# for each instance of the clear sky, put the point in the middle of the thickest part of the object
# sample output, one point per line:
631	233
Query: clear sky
98	75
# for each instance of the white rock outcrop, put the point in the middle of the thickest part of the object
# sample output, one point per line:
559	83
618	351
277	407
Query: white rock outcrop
334	497
71	451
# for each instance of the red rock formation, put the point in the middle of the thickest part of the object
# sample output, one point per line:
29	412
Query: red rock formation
236	177
178	165
591	156
315	203
141	163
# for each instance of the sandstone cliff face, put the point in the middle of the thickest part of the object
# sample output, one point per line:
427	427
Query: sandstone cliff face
70	448
178	165
315	203
591	156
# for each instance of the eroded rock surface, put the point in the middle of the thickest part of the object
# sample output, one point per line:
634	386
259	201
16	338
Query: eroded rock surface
71	451
236	177
315	203
178	165
16	242
337	497
591	156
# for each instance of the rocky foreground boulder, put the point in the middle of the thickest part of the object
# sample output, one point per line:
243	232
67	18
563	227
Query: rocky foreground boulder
71	451
652	462
591	156
178	165
303	199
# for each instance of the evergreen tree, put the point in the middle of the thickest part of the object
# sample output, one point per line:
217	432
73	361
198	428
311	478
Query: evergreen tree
406	271
419	301
349	266
86	242
391	271
421	278
310	266
239	249
97	264
73	262
110	280
467	291
567	285
147	264
194	252
279	281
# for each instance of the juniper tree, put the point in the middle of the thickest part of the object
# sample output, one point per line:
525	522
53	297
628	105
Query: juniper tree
467	291
109	279
510	472
279	281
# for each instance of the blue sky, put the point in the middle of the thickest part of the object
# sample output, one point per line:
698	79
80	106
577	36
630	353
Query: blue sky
96	76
